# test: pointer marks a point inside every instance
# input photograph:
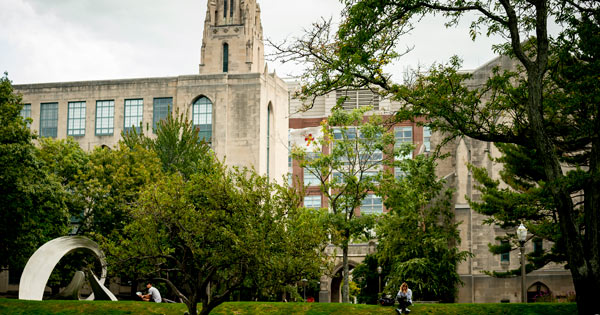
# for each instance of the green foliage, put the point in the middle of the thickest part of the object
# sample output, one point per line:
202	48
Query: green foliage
418	238
348	172
176	145
223	229
34	202
367	279
111	186
548	103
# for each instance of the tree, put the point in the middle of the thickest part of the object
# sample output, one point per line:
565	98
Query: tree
545	95
348	173
209	235
418	238
525	199
176	144
34	209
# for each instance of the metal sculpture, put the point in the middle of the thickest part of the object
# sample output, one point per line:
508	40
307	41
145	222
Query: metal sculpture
40	265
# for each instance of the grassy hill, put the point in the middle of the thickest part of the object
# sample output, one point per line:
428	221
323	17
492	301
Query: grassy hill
12	306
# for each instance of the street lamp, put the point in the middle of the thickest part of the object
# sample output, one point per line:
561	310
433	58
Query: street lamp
304	285
522	236
379	270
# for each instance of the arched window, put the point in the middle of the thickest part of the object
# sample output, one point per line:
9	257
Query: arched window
202	118
225	57
225	8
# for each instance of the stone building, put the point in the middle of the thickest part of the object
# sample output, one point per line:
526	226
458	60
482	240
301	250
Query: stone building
238	107
248	116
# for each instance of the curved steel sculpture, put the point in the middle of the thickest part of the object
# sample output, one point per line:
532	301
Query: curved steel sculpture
42	262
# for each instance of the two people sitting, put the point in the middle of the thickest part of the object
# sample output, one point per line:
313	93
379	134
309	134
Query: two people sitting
404	298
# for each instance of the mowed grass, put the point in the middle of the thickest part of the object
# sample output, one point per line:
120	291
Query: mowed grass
13	306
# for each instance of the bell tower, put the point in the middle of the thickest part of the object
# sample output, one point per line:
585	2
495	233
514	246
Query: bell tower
233	38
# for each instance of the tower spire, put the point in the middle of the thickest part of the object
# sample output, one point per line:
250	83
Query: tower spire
233	37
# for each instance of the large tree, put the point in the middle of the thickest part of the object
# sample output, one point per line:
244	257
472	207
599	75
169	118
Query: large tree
525	108
33	201
348	173
218	232
418	238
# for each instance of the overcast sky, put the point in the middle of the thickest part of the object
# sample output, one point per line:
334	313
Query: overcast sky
74	40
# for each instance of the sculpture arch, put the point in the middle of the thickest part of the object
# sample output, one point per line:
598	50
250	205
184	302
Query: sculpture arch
40	265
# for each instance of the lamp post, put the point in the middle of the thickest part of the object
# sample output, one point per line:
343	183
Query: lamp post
379	270
304	285
522	236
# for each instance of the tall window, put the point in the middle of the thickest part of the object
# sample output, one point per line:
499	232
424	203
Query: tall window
310	179
268	137
26	112
162	108
371	204
427	138
225	57
225	8
76	119
48	119
202	118
105	117
312	202
230	8
133	114
505	256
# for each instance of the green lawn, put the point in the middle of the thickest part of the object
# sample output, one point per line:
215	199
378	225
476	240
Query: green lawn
12	306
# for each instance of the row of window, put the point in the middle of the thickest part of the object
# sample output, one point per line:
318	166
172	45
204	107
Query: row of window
372	204
105	116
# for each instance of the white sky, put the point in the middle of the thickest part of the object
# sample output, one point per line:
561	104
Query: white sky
73	40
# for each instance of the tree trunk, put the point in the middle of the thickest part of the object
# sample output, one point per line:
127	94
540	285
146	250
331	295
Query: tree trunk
192	305
346	286
582	252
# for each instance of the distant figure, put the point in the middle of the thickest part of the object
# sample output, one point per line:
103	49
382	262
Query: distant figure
153	294
404	298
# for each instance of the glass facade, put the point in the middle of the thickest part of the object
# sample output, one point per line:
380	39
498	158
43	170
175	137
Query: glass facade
105	117
202	118
133	114
76	119
48	120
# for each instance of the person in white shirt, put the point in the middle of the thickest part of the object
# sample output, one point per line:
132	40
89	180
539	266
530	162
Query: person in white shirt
404	298
153	294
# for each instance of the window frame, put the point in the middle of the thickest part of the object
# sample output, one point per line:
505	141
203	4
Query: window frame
197	118
72	131
53	118
370	207
310	201
157	102
26	112
139	117
110	130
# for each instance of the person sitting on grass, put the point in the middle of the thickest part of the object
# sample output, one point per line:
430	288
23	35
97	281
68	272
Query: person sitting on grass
404	298
153	294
